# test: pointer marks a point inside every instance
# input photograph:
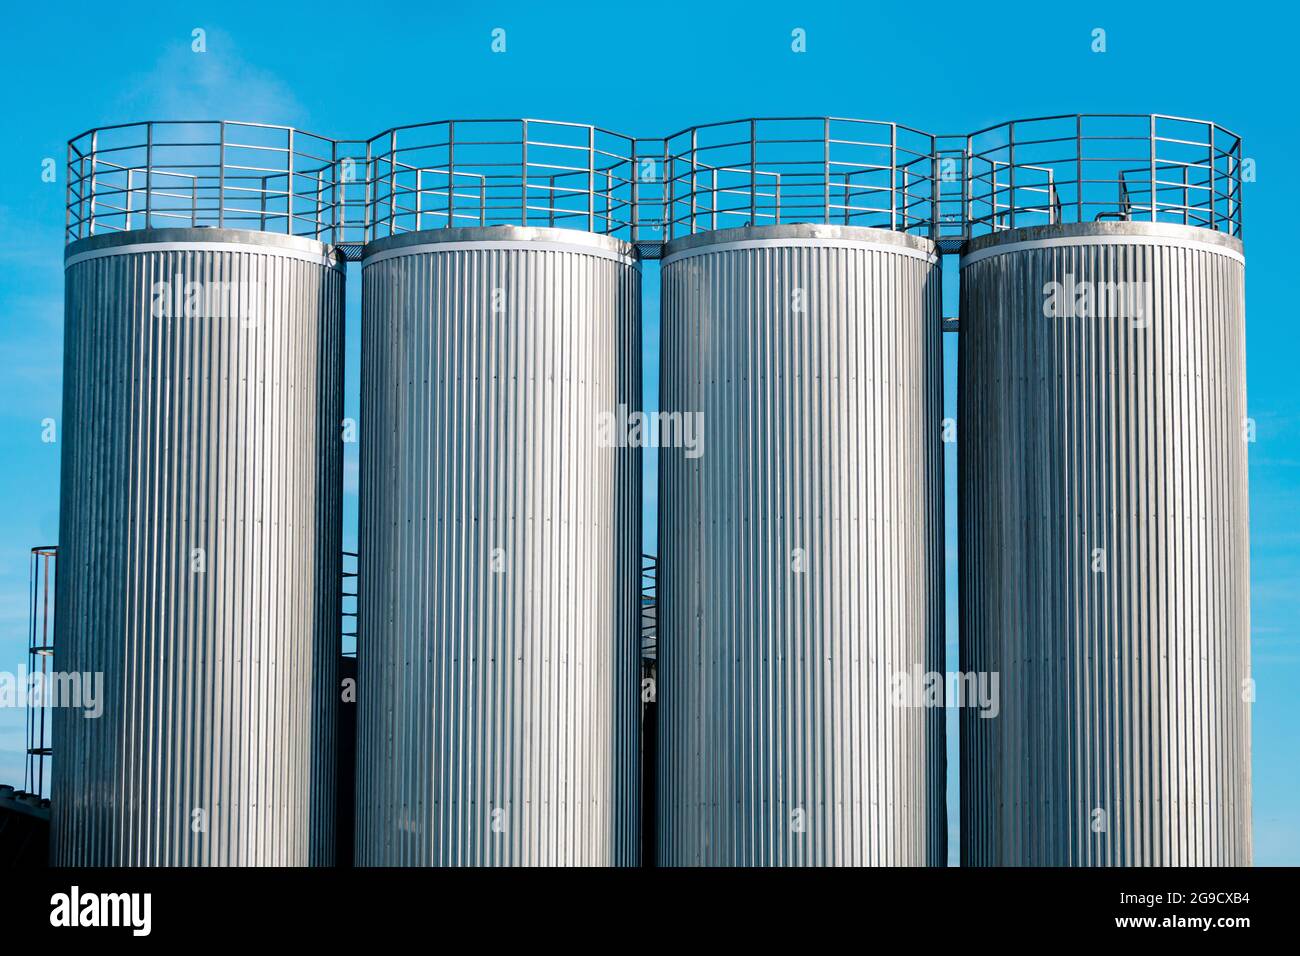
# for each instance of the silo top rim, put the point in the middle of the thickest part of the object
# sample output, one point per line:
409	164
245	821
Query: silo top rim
191	236
1063	233
800	232
521	236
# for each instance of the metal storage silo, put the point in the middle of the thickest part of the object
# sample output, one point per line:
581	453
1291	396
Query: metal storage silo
1102	488
199	545
499	532
800	567
199	522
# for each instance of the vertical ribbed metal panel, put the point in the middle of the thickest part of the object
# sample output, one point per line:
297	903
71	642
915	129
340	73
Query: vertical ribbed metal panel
1104	549
499	581
214	429
815	356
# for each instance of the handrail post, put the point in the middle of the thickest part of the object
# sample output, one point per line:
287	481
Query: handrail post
148	177
288	189
907	196
1213	181
893	173
336	194
591	180
392	183
713	198
523	179
968	188
368	231
826	170
635	213
67	194
1241	210
936	190
936	206
1078	164
670	192
1151	147
94	184
1011	173
1186	196
221	177
753	171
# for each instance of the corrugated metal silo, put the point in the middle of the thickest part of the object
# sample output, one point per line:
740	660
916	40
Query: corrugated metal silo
800	566
199	549
499	602
1104	547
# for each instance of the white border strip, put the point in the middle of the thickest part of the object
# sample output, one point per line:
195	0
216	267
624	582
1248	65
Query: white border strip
1196	244
806	242
513	245
246	247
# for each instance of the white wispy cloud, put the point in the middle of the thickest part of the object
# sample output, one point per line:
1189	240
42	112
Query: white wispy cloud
217	84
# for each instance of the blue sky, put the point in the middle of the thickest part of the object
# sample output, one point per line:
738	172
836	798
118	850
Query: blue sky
349	70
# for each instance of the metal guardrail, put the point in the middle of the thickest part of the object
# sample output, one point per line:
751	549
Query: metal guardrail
222	174
500	172
762	172
758	171
1111	166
